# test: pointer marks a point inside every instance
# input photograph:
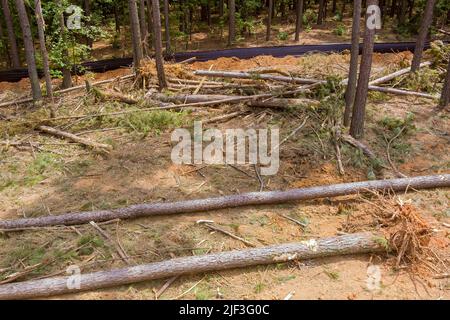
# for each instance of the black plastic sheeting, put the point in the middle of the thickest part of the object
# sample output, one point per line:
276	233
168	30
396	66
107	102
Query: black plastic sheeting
14	75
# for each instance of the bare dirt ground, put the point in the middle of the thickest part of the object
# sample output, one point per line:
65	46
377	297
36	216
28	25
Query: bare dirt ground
58	177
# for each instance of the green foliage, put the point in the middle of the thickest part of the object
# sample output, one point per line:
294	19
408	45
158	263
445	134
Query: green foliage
425	79
283	36
43	163
395	125
340	30
157	121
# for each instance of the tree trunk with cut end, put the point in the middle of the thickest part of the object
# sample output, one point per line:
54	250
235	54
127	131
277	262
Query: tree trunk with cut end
158	45
167	26
13	51
269	20
299	19
359	107
135	34
41	33
353	71
445	96
423	33
358	243
231	22
231	201
29	50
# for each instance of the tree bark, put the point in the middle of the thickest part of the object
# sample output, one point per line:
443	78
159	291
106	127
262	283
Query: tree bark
321	11
231	201
231	22
150	23
270	103
353	71
254	76
135	35
158	45
358	243
87	13
269	20
359	107
41	33
29	50
299	19
143	27
67	77
13	51
445	96
4	44
396	74
221	5
167	26
423	33
74	138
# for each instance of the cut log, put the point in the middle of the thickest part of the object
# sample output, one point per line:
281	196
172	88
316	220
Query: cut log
113	96
358	243
267	102
253	76
396	74
231	201
75	138
80	87
402	92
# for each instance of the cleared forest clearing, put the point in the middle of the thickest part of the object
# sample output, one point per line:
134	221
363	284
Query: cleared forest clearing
46	175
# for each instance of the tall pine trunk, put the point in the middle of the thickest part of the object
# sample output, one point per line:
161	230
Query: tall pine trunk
158	45
445	96
150	24
353	71
4	45
167	25
87	13
269	20
359	107
231	22
321	11
299	21
143	27
67	77
41	32
13	51
135	34
29	49
423	33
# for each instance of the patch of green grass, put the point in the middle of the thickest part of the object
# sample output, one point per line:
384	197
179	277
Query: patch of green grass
283	36
340	30
333	275
394	125
88	242
157	121
286	278
42	164
259	287
202	294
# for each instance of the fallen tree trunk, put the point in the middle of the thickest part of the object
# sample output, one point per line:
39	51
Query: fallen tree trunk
402	92
357	243
267	102
231	201
80	87
396	74
253	76
75	138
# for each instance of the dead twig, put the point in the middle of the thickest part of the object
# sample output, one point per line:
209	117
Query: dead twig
209	224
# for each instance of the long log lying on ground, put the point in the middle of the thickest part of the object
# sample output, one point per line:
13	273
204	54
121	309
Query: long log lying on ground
231	201
396	74
358	243
253	76
267	102
75	138
402	92
80	87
